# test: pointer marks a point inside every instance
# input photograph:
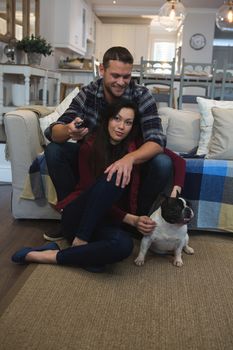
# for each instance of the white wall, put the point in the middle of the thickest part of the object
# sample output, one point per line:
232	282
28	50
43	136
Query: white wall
196	22
156	35
203	23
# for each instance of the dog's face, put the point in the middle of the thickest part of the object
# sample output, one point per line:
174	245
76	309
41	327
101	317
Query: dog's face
176	210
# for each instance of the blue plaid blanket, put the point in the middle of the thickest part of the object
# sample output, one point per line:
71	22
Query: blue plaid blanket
209	188
38	183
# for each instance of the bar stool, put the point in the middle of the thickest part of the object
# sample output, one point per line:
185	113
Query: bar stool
196	79
227	82
65	87
159	77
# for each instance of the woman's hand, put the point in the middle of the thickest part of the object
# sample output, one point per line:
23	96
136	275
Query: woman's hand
145	225
175	190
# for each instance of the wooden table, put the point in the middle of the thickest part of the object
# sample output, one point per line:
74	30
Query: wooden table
76	76
28	72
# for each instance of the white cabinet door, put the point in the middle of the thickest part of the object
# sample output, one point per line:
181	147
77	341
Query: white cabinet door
133	37
70	25
124	35
141	42
90	24
61	33
82	18
103	39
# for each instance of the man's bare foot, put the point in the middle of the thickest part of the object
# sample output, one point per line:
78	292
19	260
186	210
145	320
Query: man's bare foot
78	242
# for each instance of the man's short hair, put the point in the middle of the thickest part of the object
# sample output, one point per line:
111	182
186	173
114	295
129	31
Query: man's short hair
117	53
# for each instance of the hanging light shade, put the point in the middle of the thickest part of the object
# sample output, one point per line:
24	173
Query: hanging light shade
224	16
172	15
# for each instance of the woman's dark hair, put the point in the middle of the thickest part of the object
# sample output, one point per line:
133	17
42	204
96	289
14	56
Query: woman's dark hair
103	152
117	53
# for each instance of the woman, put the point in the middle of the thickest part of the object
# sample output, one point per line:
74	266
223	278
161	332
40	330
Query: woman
93	216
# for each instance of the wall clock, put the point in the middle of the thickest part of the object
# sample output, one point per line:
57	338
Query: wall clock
197	41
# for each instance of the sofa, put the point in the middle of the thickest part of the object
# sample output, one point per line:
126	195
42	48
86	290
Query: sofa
202	137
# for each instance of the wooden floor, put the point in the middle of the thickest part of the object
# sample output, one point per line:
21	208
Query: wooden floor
15	234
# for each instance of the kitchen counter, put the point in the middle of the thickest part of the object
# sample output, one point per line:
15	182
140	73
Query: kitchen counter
74	70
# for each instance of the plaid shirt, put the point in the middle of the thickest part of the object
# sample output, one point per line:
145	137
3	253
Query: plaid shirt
90	101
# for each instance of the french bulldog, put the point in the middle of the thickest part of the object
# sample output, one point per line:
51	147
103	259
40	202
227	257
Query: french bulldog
170	233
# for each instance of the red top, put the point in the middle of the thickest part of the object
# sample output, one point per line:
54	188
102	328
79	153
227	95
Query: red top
118	212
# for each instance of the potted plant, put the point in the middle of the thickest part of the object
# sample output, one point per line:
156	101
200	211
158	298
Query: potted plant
35	47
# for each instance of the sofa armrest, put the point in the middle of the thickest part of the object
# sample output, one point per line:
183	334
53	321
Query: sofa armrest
23	142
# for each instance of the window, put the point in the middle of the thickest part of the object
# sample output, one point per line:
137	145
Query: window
18	18
223	42
163	51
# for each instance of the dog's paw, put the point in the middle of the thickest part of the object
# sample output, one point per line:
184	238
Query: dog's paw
178	262
188	250
139	261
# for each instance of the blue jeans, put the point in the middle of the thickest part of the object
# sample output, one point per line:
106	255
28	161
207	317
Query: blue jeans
61	158
109	244
62	163
86	217
86	212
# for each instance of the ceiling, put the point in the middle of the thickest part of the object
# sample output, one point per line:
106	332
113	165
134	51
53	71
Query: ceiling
140	7
141	11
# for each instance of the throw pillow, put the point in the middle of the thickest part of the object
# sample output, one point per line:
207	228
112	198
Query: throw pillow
221	142
182	129
206	122
60	109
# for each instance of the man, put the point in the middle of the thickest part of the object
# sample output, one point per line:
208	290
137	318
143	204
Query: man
61	156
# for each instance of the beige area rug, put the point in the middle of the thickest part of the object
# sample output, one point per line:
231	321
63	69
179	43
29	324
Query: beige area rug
157	306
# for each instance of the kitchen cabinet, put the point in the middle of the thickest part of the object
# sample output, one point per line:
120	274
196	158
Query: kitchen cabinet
134	37
103	31
141	43
65	24
125	35
91	24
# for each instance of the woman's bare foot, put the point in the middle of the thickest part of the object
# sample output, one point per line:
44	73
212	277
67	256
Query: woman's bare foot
78	242
44	257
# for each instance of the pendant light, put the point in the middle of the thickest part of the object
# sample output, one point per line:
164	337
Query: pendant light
172	15
224	16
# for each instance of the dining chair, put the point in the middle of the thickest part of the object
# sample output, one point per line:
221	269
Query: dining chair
159	77
196	79
227	82
218	84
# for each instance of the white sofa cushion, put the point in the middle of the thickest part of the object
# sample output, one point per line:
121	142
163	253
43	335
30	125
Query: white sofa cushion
60	109
181	127
206	122
221	142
